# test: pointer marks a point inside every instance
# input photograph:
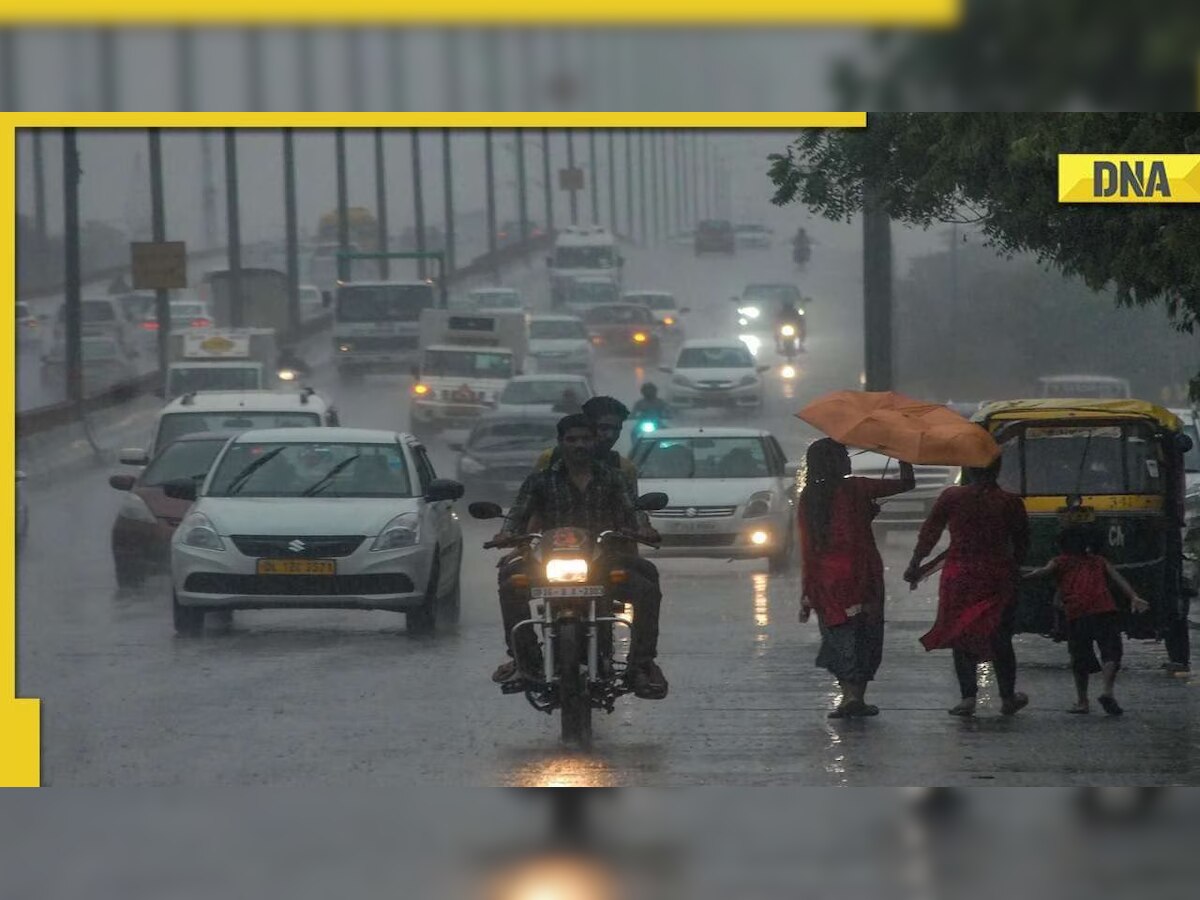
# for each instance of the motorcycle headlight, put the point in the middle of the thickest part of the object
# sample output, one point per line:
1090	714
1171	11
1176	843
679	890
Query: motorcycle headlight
287	374
748	380
198	531
647	427
567	570
402	531
135	508
758	505
750	312
788	330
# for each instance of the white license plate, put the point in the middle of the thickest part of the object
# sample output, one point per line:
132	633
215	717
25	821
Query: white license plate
552	593
693	527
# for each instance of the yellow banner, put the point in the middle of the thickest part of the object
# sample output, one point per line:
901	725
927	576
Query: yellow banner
1129	178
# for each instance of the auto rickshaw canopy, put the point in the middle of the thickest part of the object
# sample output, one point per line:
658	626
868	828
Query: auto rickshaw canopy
1059	409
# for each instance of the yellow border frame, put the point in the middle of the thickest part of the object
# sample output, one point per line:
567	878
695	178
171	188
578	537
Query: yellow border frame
20	723
923	13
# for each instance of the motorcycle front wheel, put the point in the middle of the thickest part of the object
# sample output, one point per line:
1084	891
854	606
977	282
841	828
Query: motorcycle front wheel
576	711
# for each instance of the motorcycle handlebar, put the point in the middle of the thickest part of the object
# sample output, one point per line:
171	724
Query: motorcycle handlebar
509	541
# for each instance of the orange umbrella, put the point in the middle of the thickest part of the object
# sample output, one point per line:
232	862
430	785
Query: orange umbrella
898	426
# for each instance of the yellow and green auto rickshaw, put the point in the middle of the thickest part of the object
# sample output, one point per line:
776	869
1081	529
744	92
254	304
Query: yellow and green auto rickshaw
1112	466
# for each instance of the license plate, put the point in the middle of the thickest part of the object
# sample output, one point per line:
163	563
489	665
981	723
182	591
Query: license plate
1079	515
693	527
297	567
583	590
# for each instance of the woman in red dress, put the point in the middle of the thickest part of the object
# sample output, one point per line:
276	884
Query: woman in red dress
842	574
977	597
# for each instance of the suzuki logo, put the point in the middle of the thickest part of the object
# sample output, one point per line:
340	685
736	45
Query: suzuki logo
691	512
296	546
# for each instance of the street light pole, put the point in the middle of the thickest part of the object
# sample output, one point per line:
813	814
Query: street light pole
642	186
291	230
234	228
418	199
72	300
592	176
654	184
571	168
343	204
448	198
546	180
158	228
381	216
612	181
522	198
490	185
629	184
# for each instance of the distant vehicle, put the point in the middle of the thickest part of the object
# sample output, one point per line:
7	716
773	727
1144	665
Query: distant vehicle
324	518
361	223
542	393
715	236
490	299
715	373
907	511
510	233
140	308
377	325
99	316
583	252
186	314
560	344
312	303
141	532
29	326
500	452
263	304
732	493
587	292
666	311
244	359
105	362
623	329
1084	387
753	236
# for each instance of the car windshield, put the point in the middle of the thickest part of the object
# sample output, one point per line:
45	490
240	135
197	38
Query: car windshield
652	301
555	329
467	364
187	310
95	311
213	378
182	459
773	292
96	349
702	457
316	469
383	303
583	258
522	392
138	306
1081	459
173	426
618	315
512	434
715	358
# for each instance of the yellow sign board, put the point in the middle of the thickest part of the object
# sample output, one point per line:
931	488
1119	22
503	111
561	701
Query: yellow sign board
159	265
1129	178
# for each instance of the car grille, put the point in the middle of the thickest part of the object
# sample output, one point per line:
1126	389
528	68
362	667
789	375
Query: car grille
315	547
388	342
297	585
698	540
715	385
701	512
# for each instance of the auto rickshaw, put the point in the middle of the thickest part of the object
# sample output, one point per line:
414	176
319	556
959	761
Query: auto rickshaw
1114	467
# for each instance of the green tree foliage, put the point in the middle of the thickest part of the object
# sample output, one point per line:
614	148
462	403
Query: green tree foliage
1000	171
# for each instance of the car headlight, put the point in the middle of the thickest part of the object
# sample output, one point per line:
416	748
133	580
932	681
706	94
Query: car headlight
758	505
788	330
748	380
287	374
750	312
135	508
681	380
567	570
402	531
469	465
345	347
198	531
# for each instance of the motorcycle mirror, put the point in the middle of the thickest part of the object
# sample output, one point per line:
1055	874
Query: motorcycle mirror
1184	442
651	502
483	509
121	482
684	309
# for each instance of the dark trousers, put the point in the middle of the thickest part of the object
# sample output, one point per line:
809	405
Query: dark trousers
641	590
1004	661
1176	638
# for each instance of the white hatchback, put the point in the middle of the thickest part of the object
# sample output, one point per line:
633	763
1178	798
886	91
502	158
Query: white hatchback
318	518
720	373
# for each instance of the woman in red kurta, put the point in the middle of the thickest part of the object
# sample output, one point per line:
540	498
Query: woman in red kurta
977	598
842	571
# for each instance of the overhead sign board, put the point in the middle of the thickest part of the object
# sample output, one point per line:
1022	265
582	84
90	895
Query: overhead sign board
159	265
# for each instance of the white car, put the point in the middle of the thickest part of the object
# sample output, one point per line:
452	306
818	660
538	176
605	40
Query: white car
560	344
666	310
187	314
333	518
907	511
732	493
542	393
719	373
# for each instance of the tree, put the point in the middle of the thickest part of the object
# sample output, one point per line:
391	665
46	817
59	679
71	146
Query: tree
999	171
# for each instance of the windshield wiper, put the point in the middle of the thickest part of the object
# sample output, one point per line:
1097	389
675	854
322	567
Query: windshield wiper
328	476
243	476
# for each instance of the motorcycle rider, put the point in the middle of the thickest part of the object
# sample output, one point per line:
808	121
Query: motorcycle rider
801	246
577	489
651	406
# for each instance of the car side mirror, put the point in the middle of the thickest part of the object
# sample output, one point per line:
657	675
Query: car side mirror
684	309
457	446
792	469
666	369
482	509
121	482
735	299
443	489
134	457
181	489
762	369
652	502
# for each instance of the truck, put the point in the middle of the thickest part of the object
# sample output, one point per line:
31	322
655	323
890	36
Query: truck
244	359
583	252
466	360
377	324
362	226
264	299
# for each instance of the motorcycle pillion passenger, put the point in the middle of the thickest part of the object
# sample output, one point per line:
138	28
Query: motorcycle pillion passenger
579	490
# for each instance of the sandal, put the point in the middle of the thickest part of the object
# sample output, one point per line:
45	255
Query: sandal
965	709
1014	704
1110	705
1080	709
858	709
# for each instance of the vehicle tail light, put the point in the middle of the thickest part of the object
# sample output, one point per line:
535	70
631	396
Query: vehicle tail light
618	576
420	389
150	325
668	320
201	323
639	337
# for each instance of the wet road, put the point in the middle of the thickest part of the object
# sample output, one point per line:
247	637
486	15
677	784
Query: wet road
331	697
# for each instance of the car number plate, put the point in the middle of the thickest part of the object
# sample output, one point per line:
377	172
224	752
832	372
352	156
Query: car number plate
583	590
693	527
297	567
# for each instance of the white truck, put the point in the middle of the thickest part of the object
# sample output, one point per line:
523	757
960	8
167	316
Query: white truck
377	325
243	359
466	360
588	252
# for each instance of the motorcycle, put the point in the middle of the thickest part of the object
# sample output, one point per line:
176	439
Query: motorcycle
789	337
572	578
